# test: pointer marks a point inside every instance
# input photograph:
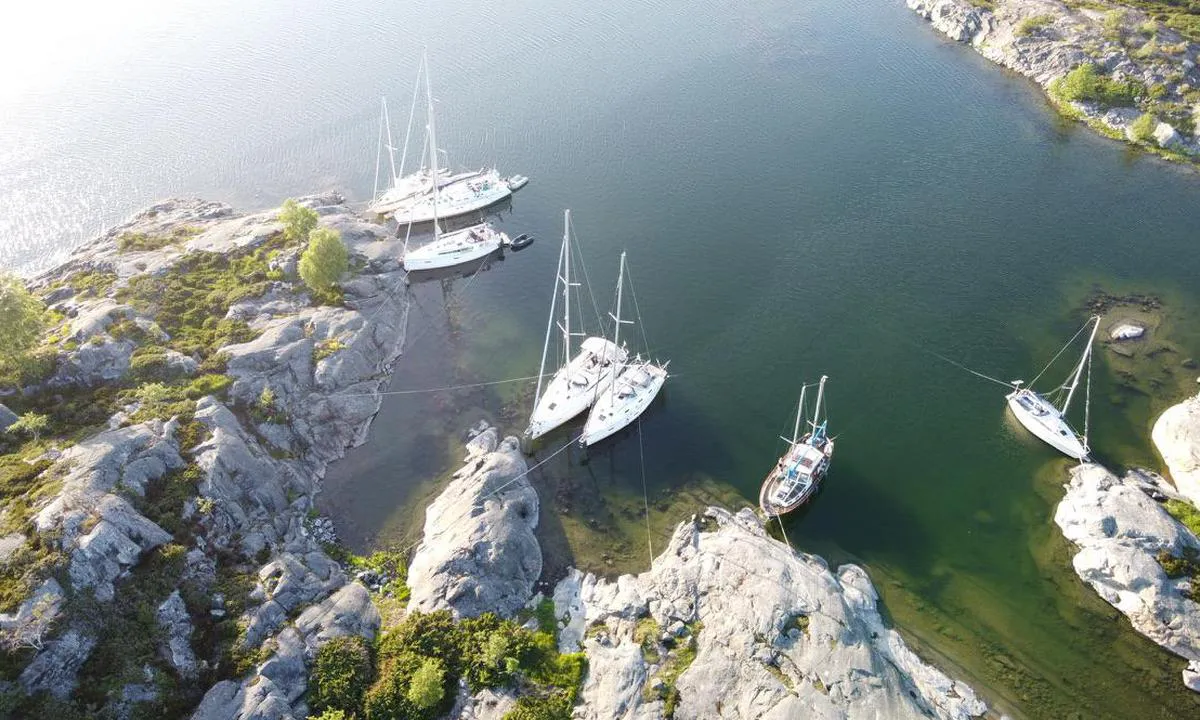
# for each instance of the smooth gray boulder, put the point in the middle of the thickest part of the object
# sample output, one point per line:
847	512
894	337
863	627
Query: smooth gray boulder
176	647
777	635
349	611
478	553
1120	530
1176	434
93	364
56	668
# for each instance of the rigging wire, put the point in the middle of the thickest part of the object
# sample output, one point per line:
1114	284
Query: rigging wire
1060	352
569	443
638	311
587	281
964	367
443	389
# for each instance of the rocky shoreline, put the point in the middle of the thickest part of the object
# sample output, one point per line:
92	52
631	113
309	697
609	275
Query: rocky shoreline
1143	90
1133	552
241	549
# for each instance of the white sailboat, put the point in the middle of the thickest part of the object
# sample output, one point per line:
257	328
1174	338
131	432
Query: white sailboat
1047	421
637	384
461	246
581	378
798	474
466	193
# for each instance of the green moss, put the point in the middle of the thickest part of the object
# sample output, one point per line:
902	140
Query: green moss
646	634
138	242
325	348
1185	513
88	283
165	497
1142	129
1026	27
675	665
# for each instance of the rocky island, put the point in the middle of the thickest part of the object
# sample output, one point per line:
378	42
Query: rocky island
161	556
1128	70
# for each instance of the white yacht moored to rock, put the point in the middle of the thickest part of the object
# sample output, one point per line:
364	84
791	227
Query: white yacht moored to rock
456	248
637	383
579	379
798	474
1047	421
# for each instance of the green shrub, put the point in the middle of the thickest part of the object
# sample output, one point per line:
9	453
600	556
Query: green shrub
324	261
89	283
340	676
1176	567
389	565
387	698
149	362
1114	25
1026	27
30	424
332	715
1087	83
23	318
426	688
1142	129
298	221
555	705
1187	25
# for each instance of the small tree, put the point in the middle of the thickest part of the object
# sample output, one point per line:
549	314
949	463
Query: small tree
324	260
427	686
31	424
298	221
340	675
22	316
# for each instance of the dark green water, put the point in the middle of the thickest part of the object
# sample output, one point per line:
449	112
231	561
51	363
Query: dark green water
830	188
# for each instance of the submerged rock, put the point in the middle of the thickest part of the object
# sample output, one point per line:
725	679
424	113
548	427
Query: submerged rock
777	635
479	553
1127	331
1121	532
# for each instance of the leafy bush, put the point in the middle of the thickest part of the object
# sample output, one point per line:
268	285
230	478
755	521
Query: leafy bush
89	283
341	674
426	687
298	221
30	424
387	564
324	261
387	698
1177	567
1026	27
22	316
1114	24
1087	83
1142	129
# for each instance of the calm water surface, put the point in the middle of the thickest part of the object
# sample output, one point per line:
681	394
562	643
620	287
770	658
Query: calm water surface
802	188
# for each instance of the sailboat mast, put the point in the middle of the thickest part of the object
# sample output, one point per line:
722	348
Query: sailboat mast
537	395
799	414
617	317
412	110
820	395
379	151
1079	368
432	144
566	326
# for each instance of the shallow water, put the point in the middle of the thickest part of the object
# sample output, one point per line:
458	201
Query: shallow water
830	188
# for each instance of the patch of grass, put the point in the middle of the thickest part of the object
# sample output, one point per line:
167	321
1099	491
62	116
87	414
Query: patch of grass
1185	513
87	283
190	301
1030	24
389	565
1087	83
1177	567
675	665
646	634
328	347
139	242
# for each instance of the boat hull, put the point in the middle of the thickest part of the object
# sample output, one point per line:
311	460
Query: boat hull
776	478
456	248
612	412
1042	419
575	386
461	197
